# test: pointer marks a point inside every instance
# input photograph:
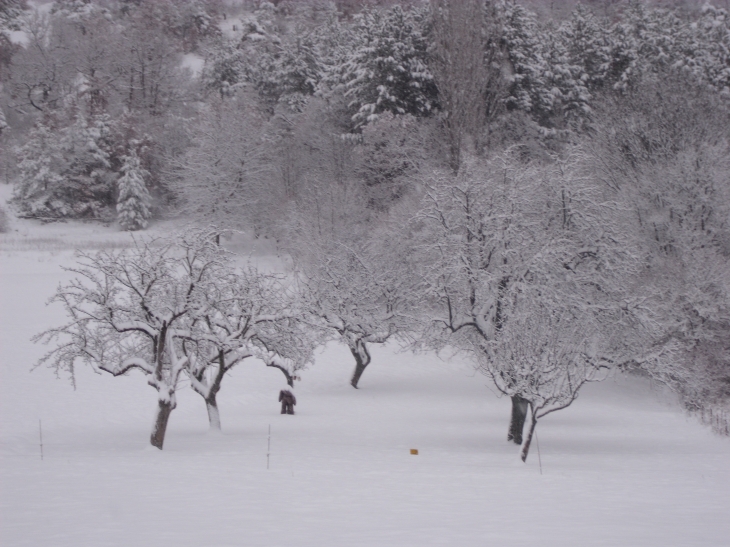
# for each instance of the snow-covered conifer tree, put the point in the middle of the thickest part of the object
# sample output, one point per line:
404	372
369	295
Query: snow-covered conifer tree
546	82
586	39
566	86
526	50
224	70
11	12
707	48
39	189
387	70
133	201
643	41
66	173
88	177
292	72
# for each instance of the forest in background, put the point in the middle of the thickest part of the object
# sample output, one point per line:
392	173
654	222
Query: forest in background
541	186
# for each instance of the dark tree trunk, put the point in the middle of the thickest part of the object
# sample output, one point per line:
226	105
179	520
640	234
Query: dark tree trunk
157	438
362	360
214	417
498	312
359	369
517	422
528	440
454	149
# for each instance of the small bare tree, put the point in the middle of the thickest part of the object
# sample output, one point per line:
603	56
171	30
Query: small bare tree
357	289
225	177
543	354
246	314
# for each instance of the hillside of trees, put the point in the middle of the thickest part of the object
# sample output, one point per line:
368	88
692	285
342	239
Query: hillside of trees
543	188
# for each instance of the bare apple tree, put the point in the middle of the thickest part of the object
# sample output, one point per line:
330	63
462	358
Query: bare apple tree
130	309
544	353
355	288
507	247
225	177
247	314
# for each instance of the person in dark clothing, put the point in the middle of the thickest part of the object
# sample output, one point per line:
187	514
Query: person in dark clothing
287	400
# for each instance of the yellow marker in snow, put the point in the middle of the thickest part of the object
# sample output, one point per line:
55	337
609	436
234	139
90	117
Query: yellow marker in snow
414	451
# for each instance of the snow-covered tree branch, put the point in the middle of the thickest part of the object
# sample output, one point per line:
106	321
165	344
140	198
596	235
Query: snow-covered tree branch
131	309
510	248
246	314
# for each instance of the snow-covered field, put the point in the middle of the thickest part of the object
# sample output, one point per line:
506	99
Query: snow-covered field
622	467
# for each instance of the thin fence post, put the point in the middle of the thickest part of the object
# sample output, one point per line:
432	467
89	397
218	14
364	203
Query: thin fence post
539	459
268	448
40	431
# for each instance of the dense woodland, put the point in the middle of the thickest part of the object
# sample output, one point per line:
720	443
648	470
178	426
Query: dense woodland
542	187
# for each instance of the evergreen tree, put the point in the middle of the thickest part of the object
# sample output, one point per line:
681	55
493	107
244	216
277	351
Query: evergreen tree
133	203
547	82
66	173
387	70
336	43
565	89
3	122
87	174
642	41
224	70
586	39
292	72
11	12
526	51
76	10
708	53
38	190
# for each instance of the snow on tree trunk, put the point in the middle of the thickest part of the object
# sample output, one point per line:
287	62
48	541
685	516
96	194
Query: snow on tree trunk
517	421
164	409
249	314
211	400
528	440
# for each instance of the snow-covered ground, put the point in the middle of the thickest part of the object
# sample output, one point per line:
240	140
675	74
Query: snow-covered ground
622	467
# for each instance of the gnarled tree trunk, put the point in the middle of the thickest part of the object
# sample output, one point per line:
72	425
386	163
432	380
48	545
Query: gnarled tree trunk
362	359
214	417
517	421
528	440
210	397
157	439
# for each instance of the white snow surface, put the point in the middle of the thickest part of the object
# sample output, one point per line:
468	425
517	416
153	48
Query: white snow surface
194	63
623	466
